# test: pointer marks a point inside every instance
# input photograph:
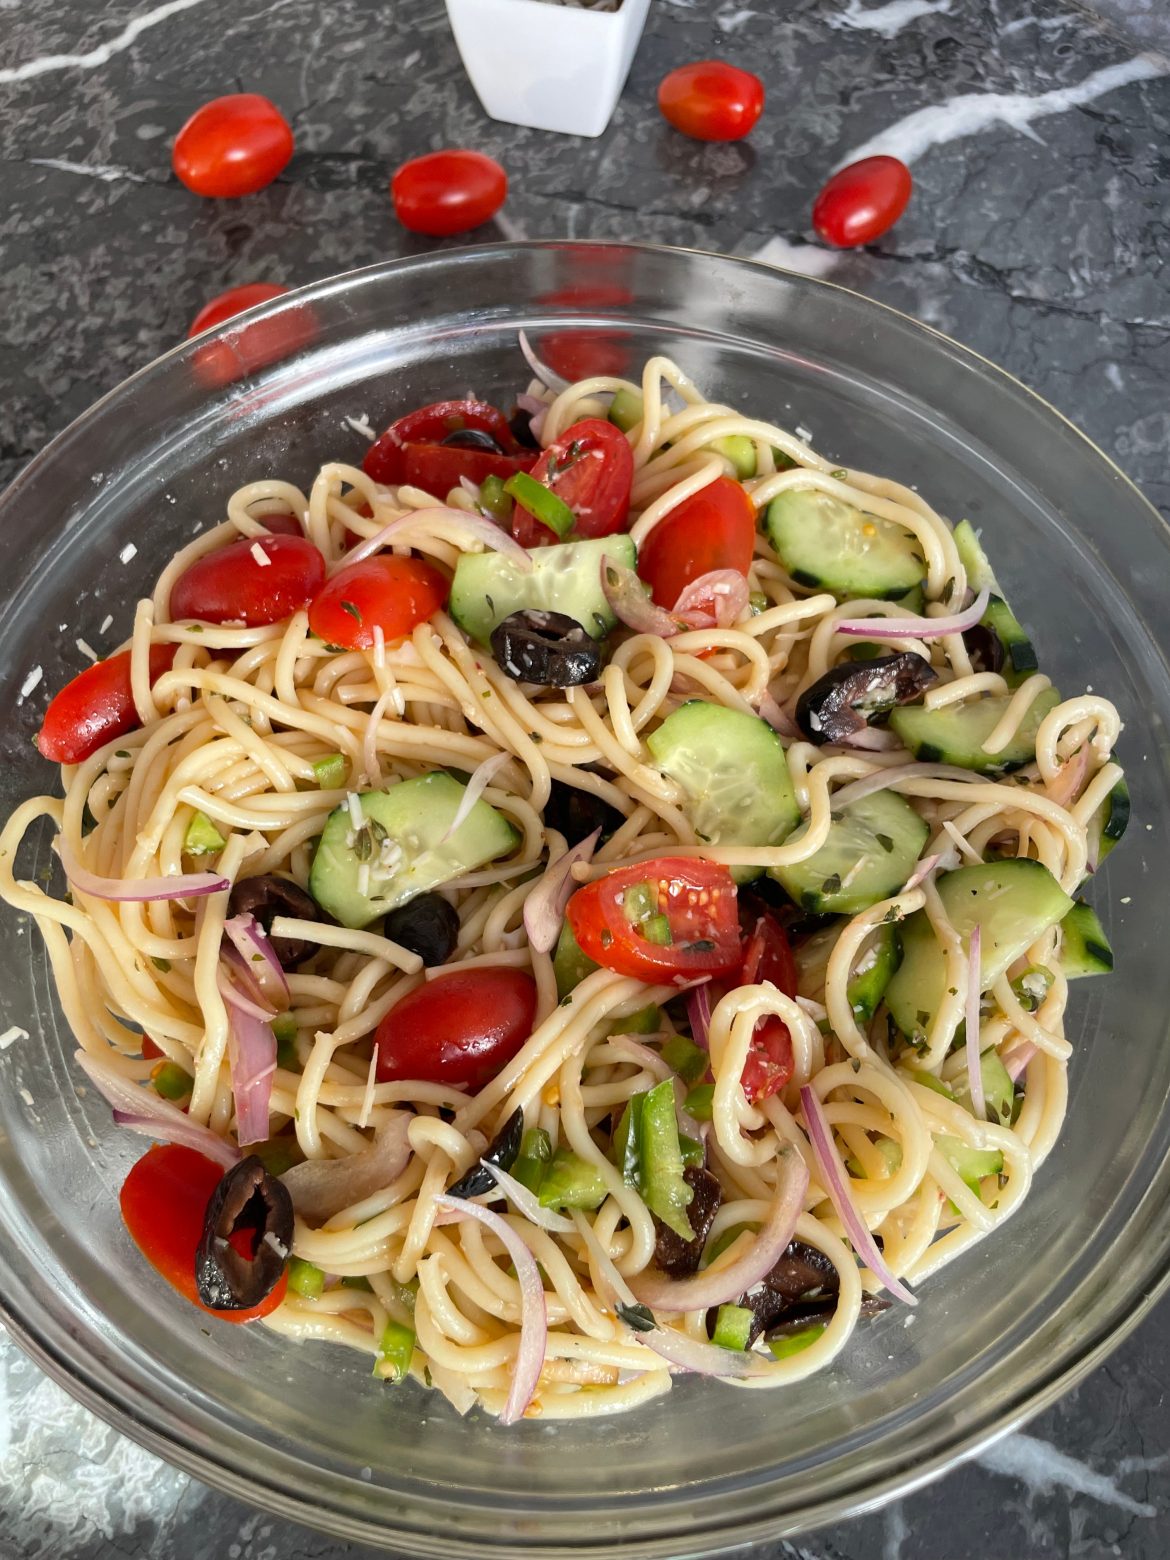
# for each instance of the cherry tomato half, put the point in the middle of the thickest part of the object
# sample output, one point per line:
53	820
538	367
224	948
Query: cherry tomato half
670	917
713	529
232	146
413	448
96	707
164	1201
591	469
767	957
461	1028
711	100
447	192
231	585
390	593
862	201
234	301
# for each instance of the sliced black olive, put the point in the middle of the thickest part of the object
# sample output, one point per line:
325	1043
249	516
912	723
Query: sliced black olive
871	1305
985	648
427	925
548	648
673	1254
472	439
841	702
268	896
503	1151
251	1201
802	1280
576	813
520	423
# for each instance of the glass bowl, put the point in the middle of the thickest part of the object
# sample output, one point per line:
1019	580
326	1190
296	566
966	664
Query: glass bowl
303	1431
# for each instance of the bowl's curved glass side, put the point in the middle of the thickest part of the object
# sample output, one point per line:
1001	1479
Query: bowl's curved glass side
997	1329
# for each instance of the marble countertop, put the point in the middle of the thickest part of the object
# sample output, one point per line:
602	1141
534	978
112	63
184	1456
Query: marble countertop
1038	235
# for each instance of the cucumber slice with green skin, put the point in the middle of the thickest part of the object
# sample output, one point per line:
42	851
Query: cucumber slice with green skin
873	971
566	578
740	451
999	1092
827	544
871	850
980	575
955	733
971	1164
570	965
1110	821
401	843
735	775
1020	656
1084	947
1012	902
626	410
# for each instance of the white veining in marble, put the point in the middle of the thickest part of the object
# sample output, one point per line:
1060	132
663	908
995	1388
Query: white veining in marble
1043	1469
887	19
104	51
106	173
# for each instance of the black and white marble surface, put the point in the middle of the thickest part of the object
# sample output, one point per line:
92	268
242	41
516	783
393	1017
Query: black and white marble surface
1039	234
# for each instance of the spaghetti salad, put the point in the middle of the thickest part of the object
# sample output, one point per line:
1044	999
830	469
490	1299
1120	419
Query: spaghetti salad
585	897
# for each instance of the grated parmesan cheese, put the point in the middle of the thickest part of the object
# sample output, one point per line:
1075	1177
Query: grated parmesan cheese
353	802
379	648
10	1036
87	649
27	1098
360	424
108	620
29	683
128	552
261	557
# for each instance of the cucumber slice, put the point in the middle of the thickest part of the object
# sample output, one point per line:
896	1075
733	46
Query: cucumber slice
829	545
734	772
488	587
955	734
971	1164
740	451
872	846
402	842
570	965
1110	821
1084	947
872	972
999	1092
1020	655
1012	902
626	410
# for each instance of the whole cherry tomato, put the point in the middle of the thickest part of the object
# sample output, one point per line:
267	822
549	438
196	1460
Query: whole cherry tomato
668	917
232	146
96	707
713	529
591	469
767	957
460	1028
711	100
433	447
234	301
164	1202
231	585
447	192
390	593
862	201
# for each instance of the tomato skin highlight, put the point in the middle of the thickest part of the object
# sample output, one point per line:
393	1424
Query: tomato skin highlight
460	1028
232	146
96	707
591	469
164	1202
713	529
394	594
705	936
711	100
862	201
447	192
412	449
233	301
228	585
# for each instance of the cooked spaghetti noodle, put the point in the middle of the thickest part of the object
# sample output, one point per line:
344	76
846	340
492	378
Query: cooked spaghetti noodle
232	731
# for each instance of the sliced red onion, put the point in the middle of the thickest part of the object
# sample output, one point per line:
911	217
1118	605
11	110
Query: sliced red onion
241	999
1015	1061
779	719
724	1285
873	739
704	1359
974	992
320	1188
916	627
481	778
470	488
920	874
250	942
484	530
532	404
717	599
188	885
142	1110
699	1013
1066	787
881	778
533	1311
543	372
544	909
252	1058
837	1186
526	1203
627	596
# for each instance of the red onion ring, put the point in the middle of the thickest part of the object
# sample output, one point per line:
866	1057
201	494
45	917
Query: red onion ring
779	719
533	1310
881	778
872	739
543	372
544	908
723	1285
916	627
142	1110
1015	1061
699	1014
837	1186
320	1188
920	874
241	1000
248	938
627	596
704	1359
188	885
526	1203
974	992
726	588
252	1059
484	530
